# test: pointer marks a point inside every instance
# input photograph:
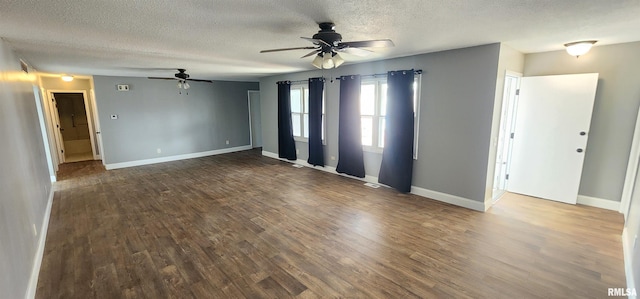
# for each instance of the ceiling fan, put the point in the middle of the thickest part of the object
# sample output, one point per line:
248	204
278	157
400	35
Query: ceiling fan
182	78
327	43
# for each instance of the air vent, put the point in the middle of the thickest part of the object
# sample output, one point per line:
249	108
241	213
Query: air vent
297	166
372	185
24	66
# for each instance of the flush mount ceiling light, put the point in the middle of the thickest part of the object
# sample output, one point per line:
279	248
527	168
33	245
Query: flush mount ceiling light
67	78
579	48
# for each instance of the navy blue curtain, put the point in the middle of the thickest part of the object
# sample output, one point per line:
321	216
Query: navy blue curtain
286	145
397	157
316	150
350	158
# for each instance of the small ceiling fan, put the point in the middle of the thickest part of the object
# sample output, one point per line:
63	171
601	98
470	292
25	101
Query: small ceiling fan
182	78
327	43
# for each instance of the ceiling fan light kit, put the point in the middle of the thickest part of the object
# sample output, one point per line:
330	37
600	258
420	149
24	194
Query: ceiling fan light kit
182	78
328	43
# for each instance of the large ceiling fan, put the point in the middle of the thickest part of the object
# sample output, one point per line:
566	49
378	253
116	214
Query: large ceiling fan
182	78
327	43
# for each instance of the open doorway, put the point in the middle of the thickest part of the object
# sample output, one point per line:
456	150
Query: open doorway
74	126
505	136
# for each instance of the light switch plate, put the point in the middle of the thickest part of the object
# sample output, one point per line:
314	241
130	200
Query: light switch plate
122	87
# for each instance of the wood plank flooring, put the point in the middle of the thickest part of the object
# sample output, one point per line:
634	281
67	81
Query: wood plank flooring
245	226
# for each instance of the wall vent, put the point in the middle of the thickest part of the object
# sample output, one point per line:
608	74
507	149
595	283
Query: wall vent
24	66
297	166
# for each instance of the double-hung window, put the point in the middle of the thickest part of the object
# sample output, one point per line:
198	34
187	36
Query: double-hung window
300	112
373	111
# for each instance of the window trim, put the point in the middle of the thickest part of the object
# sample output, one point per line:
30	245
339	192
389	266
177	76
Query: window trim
303	88
377	116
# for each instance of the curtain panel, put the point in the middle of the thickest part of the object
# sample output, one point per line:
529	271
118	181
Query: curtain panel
350	156
286	144
397	157
316	149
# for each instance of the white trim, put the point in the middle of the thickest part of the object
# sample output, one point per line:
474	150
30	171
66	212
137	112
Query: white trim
632	170
628	253
37	259
451	199
598	203
443	197
177	157
53	179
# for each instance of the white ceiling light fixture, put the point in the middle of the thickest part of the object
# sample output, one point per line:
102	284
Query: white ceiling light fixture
327	60
579	48
67	78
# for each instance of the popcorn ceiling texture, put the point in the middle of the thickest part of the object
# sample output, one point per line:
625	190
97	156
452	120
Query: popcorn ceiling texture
221	39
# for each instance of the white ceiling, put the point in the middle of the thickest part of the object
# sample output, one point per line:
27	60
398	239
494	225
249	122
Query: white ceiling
222	39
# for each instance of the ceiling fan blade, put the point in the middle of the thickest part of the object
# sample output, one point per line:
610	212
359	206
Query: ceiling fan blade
314	52
356	51
316	41
286	49
161	78
200	80
377	43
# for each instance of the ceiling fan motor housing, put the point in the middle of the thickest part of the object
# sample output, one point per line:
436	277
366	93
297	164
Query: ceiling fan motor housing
181	74
329	36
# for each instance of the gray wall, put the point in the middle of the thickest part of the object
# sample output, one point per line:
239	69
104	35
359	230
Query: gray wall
154	115
614	111
24	177
456	110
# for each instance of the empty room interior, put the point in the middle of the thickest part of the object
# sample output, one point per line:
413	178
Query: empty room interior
319	149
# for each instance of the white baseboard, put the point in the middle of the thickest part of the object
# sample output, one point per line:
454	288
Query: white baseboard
177	157
37	259
599	203
452	199
628	253
448	198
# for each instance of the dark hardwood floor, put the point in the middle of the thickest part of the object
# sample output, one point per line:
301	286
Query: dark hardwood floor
242	225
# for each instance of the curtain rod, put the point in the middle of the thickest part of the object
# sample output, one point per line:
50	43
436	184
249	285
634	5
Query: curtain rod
415	72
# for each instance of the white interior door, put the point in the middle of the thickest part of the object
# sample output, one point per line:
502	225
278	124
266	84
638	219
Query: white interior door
550	138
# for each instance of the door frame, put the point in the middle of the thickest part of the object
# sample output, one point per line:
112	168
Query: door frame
511	103
249	110
632	170
56	117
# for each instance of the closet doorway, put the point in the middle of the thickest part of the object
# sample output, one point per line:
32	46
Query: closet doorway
73	126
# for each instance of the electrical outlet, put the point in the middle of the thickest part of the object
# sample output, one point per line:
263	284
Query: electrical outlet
297	151
114	116
333	157
227	141
159	150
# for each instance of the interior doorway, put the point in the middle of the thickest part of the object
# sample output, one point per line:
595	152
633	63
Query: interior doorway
74	126
505	140
255	121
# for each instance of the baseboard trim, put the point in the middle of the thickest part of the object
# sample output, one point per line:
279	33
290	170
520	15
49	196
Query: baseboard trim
451	199
628	252
37	259
430	194
599	203
177	157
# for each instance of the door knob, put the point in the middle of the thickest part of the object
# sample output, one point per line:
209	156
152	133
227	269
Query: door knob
579	150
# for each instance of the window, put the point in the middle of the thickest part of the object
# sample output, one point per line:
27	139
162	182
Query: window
300	112
373	111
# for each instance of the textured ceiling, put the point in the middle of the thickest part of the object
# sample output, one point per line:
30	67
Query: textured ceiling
222	39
